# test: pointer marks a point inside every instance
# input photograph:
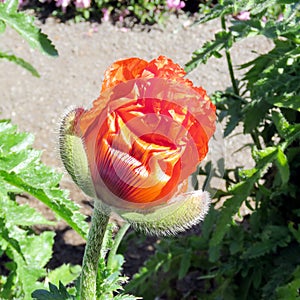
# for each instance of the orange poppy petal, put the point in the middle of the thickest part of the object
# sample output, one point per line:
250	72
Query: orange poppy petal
122	70
163	67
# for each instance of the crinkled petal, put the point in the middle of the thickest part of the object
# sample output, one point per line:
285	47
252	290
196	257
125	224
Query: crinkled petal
122	71
146	141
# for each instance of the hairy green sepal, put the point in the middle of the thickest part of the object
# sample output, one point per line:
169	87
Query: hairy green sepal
183	212
73	155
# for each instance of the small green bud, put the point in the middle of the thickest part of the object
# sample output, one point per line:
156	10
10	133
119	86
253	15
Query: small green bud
73	154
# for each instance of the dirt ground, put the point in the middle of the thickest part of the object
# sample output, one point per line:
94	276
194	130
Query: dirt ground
74	79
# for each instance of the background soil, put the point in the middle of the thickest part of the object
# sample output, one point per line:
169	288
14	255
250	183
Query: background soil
74	79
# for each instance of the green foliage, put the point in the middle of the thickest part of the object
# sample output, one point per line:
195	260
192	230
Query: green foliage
253	253
287	28
21	62
110	280
290	290
65	273
149	12
26	253
21	171
54	293
24	25
124	12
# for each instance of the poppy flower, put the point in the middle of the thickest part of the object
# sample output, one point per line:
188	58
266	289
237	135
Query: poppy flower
135	148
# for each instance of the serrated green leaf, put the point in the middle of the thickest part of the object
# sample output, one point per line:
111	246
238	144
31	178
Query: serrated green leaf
262	5
260	155
17	162
65	273
233	111
240	193
37	249
41	176
291	289
21	215
54	198
54	293
222	40
23	172
14	142
12	5
19	61
24	25
282	125
254	113
218	11
5	235
185	264
271	237
265	82
292	102
27	276
248	173
35	252
283	166
6	127
294	133
258	249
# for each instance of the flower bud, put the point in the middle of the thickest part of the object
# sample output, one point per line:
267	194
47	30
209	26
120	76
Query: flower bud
136	147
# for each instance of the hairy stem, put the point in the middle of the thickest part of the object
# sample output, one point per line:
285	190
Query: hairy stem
92	253
229	62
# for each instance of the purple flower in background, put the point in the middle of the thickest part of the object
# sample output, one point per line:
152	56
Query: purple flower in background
106	14
83	3
177	4
123	14
280	18
63	4
243	16
23	2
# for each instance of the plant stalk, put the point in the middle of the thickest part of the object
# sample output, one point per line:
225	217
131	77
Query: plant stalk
92	253
118	238
229	61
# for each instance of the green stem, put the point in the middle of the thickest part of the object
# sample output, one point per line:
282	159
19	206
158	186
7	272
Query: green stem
229	61
117	240
92	253
255	138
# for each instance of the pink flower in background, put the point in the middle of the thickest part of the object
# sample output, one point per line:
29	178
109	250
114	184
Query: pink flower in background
106	14
23	2
63	3
177	4
280	18
243	16
83	3
123	14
